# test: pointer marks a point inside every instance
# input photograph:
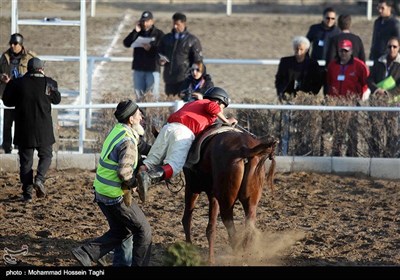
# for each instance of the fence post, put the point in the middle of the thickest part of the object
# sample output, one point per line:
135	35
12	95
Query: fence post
178	105
89	92
228	7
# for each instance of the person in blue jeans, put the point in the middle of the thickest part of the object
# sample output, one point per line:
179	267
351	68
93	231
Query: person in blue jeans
115	178
144	39
123	253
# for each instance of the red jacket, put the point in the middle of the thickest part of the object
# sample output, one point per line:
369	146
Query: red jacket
196	115
349	79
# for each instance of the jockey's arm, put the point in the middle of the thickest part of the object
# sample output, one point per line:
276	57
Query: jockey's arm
231	120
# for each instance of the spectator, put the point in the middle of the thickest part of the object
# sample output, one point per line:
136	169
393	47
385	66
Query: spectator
344	23
197	83
385	27
347	75
178	49
298	72
32	96
320	34
385	73
114	181
384	80
13	64
168	153
145	66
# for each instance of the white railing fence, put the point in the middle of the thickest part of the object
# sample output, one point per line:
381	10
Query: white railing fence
178	104
87	105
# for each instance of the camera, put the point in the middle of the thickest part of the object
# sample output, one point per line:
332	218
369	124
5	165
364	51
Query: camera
186	95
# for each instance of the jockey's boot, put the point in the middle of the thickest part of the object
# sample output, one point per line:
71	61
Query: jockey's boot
153	176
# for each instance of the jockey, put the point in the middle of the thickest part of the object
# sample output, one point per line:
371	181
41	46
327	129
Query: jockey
170	149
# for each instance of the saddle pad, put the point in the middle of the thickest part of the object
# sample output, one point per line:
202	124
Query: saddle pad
194	153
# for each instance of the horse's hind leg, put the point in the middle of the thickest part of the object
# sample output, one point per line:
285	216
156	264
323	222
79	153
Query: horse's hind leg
250	221
211	227
190	201
227	219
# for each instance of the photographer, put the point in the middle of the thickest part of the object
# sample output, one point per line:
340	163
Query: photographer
145	66
13	64
196	84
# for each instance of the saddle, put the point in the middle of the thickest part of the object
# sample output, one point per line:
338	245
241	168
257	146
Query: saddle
194	152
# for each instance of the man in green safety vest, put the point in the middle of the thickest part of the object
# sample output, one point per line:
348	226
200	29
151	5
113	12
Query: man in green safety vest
113	183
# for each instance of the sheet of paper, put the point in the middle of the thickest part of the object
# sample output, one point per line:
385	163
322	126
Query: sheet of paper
140	41
163	57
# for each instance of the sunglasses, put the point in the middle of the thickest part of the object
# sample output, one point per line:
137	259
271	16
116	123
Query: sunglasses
392	46
329	18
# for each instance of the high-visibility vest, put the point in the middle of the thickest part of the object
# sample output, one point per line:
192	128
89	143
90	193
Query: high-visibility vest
107	181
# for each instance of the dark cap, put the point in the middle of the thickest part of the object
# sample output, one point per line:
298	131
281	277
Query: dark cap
125	109
146	15
16	38
34	64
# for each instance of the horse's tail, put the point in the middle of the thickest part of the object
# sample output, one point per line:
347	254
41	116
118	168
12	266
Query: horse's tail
271	173
265	148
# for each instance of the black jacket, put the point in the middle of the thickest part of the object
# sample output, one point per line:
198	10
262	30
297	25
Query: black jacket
191	85
145	60
378	73
307	74
182	53
358	46
32	96
318	32
383	31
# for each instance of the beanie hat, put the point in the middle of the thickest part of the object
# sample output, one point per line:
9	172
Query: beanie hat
125	109
16	38
35	64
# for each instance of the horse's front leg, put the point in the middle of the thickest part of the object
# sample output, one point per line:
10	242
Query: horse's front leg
211	227
190	201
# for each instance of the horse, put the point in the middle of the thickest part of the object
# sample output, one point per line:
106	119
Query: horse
231	167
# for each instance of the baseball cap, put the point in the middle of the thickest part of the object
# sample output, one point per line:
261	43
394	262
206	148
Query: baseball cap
346	45
34	64
146	15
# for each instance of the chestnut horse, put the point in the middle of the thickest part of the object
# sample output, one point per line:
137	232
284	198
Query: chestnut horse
231	168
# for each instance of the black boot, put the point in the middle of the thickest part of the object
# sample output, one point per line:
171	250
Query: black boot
27	193
147	178
38	185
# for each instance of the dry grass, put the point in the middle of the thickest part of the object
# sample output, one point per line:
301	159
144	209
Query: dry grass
328	133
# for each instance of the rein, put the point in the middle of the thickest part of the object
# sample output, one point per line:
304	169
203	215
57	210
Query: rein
245	130
172	186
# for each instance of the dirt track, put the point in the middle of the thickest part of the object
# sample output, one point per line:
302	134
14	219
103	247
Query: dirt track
311	219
